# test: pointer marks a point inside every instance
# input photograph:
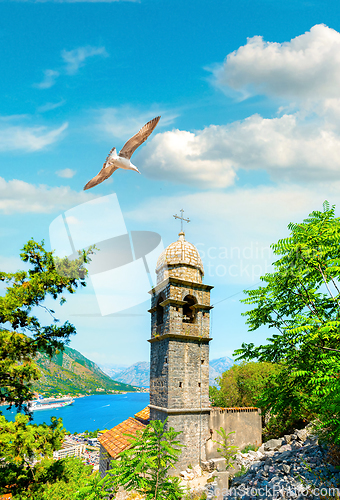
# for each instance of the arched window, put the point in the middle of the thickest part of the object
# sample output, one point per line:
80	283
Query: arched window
160	311
189	311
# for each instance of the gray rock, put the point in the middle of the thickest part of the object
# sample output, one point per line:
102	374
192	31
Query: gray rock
313	440
286	468
208	466
281	468
273	444
285	455
287	438
302	434
296	445
252	453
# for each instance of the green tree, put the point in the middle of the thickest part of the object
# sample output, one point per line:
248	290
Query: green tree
22	337
21	334
144	466
65	479
226	449
242	385
300	299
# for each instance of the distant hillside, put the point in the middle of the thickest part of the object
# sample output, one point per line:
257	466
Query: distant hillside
112	369
69	372
138	374
217	367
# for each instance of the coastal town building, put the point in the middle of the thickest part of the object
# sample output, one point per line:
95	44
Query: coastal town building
69	449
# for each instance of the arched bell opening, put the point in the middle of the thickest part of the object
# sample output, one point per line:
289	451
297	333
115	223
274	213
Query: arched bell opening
189	310
160	311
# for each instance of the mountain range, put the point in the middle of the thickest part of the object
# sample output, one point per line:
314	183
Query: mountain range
69	372
138	374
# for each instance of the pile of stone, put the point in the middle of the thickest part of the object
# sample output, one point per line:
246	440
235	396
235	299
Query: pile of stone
290	467
191	473
193	482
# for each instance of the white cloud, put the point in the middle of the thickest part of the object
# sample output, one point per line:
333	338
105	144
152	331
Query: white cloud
183	157
289	148
125	121
27	138
234	228
76	58
17	196
49	106
50	77
67	173
72	61
306	67
301	146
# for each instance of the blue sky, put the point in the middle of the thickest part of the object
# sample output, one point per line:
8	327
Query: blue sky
249	138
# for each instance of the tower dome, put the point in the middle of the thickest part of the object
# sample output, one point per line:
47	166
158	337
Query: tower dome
180	260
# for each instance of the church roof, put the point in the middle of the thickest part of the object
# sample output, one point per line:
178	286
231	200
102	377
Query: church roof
143	415
115	440
180	252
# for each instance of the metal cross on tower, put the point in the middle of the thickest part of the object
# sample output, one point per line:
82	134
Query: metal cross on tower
181	219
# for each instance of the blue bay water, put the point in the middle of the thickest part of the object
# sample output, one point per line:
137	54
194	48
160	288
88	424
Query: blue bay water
102	411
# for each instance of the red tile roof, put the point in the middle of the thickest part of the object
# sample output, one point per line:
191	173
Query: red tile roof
115	441
143	415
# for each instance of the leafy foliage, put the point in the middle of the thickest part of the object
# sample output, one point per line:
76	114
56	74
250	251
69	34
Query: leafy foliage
300	299
24	292
22	338
250	447
249	384
226	449
65	479
144	466
242	385
20	443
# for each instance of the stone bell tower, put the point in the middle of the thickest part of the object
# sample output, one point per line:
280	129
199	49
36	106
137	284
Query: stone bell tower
179	371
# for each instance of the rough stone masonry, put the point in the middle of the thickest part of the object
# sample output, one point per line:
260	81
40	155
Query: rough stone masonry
179	367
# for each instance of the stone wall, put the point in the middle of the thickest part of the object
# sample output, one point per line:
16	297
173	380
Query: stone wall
170	295
246	422
199	431
195	430
179	373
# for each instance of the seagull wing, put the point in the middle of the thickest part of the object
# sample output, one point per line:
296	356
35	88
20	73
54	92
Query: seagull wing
105	173
111	153
132	144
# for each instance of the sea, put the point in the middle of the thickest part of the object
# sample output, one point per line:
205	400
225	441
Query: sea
102	411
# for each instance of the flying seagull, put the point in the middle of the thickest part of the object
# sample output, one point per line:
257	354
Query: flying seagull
114	161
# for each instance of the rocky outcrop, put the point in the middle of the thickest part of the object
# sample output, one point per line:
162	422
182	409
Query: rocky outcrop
290	467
